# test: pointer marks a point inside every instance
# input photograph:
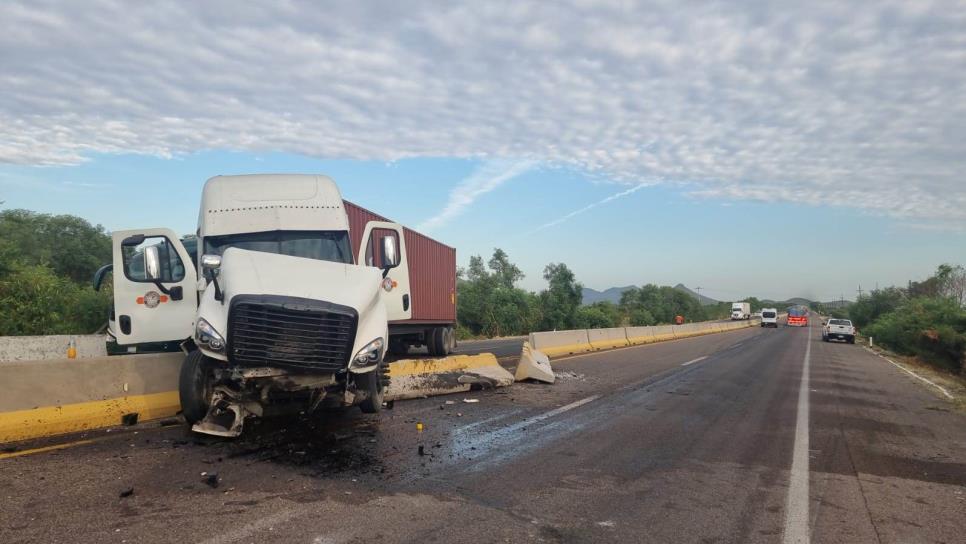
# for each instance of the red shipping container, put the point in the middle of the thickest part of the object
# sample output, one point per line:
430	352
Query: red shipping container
432	269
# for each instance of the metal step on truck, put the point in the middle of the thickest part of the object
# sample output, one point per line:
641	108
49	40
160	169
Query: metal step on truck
289	303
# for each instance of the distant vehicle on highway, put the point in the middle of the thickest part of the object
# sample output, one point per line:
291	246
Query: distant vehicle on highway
838	329
740	310
797	316
769	317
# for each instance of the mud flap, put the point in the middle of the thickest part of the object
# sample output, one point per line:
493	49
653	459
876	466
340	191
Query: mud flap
226	416
534	365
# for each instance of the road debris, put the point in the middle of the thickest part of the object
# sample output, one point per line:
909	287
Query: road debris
125	493
210	479
534	365
471	401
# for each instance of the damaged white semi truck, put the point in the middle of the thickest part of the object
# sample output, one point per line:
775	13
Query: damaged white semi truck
292	305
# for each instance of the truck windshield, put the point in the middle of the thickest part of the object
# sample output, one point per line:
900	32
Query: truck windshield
768	314
323	245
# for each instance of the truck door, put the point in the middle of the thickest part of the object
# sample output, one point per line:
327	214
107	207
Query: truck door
154	287
396	294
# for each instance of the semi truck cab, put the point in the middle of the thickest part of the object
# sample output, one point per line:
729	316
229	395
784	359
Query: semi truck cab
278	314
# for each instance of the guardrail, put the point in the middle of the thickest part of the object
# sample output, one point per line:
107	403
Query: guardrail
562	343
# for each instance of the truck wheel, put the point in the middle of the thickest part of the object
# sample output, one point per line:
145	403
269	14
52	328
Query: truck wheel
374	382
450	340
439	342
194	386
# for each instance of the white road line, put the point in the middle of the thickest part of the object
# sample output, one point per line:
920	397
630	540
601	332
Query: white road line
692	361
562	409
796	505
932	383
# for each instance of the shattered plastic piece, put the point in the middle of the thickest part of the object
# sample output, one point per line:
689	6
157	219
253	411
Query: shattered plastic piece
471	401
212	479
129	419
451	402
534	365
127	492
422	451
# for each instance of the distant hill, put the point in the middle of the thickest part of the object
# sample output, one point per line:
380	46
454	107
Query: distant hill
705	301
614	295
798	300
611	295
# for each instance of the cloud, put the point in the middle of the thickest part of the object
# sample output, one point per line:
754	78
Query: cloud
485	179
589	207
827	103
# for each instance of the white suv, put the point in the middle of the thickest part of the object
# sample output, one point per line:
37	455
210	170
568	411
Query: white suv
838	329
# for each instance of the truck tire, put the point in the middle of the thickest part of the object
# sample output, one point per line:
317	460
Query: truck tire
194	386
437	342
450	337
375	382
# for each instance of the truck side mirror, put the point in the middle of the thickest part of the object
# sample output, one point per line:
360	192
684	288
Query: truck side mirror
152	263
389	257
210	262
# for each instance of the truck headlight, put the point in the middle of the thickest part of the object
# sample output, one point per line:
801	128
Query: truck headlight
207	337
370	354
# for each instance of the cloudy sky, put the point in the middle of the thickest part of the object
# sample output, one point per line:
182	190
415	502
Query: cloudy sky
763	148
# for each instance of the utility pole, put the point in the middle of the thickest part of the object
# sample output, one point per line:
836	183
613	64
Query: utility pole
698	290
859	291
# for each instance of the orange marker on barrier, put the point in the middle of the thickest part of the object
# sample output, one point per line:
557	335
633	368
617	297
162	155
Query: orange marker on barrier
72	349
419	427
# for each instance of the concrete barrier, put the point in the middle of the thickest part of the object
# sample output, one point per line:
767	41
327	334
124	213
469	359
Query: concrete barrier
559	343
607	338
52	397
418	378
45	348
663	333
640	335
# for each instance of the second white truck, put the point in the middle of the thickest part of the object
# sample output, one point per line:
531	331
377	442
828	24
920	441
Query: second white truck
740	310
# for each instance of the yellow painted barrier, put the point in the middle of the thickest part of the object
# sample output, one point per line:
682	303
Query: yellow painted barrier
68	418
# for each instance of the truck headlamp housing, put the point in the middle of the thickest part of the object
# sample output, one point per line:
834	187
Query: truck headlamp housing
370	355
207	337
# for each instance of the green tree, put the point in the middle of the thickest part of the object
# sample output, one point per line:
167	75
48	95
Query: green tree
37	301
559	302
69	245
489	302
599	315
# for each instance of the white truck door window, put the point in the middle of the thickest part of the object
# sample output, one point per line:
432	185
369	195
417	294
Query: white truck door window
396	294
154	287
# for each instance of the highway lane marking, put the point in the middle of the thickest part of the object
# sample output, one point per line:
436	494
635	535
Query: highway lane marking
557	411
796	505
45	449
897	365
692	361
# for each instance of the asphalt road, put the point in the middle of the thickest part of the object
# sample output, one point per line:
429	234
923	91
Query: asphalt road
697	440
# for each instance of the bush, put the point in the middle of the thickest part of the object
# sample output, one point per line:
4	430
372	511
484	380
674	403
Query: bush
932	328
36	301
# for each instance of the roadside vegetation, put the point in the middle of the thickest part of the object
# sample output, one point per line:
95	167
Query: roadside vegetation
926	319
46	266
490	303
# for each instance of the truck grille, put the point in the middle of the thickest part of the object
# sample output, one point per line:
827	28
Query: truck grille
290	332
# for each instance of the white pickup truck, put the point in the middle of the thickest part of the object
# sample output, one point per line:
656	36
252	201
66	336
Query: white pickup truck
838	329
